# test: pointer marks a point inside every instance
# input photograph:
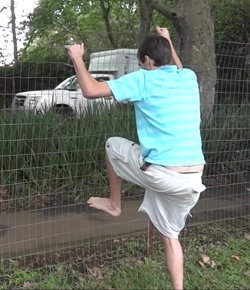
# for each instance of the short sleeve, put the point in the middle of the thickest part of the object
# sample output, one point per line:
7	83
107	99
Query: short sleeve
128	87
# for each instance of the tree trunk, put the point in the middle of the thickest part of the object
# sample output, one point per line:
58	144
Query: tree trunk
146	13
194	24
105	13
246	39
13	26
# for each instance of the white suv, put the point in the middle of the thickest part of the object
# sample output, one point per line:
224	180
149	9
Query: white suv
66	98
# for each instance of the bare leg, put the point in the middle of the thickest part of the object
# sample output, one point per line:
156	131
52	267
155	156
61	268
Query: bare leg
111	205
174	257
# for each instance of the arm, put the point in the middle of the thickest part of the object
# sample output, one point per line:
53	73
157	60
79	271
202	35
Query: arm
165	33
91	88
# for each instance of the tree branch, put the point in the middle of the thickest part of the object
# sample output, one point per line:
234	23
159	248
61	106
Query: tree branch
163	9
3	9
105	13
146	13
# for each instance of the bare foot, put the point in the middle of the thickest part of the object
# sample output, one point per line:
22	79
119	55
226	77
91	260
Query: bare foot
104	204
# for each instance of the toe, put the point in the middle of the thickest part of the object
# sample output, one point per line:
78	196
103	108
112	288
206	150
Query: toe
90	200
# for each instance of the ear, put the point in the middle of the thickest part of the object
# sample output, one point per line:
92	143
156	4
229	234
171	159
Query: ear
147	59
149	62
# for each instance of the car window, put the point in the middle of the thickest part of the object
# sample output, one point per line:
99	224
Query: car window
102	79
70	84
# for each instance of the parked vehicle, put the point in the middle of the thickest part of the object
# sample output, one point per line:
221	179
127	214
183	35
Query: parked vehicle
115	62
67	97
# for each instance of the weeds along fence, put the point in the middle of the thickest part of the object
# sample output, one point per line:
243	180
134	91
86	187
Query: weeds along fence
52	163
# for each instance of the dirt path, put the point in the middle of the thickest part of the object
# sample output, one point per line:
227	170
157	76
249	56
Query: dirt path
45	230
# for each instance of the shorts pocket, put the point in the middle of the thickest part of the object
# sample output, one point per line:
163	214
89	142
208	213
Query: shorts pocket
198	188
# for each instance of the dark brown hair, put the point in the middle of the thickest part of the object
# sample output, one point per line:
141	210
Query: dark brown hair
157	48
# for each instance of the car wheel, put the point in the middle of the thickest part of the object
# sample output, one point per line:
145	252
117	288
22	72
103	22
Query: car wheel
63	110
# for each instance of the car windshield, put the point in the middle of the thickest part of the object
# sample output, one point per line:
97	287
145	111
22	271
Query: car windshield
70	84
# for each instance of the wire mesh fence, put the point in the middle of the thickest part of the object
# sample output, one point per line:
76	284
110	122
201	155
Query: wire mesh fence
52	160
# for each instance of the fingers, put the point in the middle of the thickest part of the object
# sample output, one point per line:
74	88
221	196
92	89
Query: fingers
81	45
75	51
161	29
158	29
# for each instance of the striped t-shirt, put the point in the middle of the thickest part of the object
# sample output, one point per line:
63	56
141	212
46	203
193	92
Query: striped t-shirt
167	107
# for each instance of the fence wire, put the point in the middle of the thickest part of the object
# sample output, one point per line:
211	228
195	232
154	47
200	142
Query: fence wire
52	161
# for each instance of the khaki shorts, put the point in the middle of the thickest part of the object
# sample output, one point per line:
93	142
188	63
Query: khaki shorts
169	195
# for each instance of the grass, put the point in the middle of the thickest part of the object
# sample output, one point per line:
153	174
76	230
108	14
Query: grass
226	140
62	160
48	156
230	254
228	272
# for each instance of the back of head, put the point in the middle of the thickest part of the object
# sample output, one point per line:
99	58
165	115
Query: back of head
157	48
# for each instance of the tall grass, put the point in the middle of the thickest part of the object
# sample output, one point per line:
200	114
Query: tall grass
226	140
49	155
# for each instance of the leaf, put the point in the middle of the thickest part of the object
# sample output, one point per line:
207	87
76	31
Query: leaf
235	257
205	259
247	236
27	285
212	264
116	241
202	264
95	272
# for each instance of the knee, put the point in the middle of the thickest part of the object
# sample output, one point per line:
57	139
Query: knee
110	141
169	242
114	142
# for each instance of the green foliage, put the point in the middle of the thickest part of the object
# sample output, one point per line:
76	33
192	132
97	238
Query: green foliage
12	275
57	23
231	19
47	48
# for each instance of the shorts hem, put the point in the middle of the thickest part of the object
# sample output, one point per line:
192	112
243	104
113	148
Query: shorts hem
168	235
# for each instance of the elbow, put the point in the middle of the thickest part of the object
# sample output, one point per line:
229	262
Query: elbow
98	90
89	94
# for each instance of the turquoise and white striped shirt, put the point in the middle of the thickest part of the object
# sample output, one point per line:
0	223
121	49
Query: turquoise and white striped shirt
167	107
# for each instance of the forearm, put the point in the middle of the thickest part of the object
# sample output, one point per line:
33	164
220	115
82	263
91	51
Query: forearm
175	58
